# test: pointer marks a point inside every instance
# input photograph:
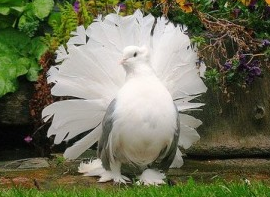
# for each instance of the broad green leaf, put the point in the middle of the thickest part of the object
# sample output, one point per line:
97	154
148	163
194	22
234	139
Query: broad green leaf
7	80
28	24
23	64
19	9
42	8
6	21
55	17
19	56
4	10
38	47
14	40
12	2
7	86
32	74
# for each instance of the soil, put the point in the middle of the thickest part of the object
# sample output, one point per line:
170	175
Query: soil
43	173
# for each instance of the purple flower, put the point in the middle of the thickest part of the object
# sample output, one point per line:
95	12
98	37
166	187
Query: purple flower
254	69
122	6
227	66
257	71
253	2
266	12
242	59
236	12
242	63
28	139
76	6
252	5
265	42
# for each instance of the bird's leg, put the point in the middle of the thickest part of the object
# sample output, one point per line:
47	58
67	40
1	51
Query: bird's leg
116	173
151	177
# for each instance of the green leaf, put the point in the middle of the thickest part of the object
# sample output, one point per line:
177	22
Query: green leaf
8	81
28	24
19	56
6	6
19	9
32	74
12	2
55	17
4	10
42	8
7	86
6	21
38	47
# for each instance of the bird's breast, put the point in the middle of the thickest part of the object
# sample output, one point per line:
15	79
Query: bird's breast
144	121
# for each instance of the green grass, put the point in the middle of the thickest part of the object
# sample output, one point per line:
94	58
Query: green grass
189	189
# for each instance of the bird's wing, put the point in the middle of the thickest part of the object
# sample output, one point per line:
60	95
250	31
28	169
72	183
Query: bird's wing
103	148
169	156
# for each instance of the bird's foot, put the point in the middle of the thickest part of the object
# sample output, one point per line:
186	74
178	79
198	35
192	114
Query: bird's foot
91	168
151	177
116	177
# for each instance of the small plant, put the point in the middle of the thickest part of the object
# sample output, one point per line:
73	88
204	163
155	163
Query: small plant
65	21
59	160
20	45
19	55
24	15
62	23
232	37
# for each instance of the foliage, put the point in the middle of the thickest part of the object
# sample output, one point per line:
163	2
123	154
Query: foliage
20	46
24	15
191	188
19	56
231	36
62	23
65	21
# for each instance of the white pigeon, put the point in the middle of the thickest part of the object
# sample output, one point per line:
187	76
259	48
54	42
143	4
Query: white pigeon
132	108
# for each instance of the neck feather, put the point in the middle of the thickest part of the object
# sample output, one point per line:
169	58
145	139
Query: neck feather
139	70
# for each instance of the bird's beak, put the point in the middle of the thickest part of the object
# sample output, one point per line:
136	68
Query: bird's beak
122	62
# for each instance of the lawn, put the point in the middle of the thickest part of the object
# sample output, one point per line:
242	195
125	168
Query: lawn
189	189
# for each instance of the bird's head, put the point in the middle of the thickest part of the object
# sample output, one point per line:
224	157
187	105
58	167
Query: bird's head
134	56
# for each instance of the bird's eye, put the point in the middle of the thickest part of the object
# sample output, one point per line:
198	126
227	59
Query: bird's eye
135	54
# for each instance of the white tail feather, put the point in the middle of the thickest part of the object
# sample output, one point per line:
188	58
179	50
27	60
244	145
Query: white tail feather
190	121
82	145
72	117
178	160
188	136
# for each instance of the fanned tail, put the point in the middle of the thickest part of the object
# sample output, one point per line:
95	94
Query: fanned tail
89	72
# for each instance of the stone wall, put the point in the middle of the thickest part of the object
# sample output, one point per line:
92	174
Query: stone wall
240	128
14	107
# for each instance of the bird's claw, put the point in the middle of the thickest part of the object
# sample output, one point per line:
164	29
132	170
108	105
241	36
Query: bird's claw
151	177
117	178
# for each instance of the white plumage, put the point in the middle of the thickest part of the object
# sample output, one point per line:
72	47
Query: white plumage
139	98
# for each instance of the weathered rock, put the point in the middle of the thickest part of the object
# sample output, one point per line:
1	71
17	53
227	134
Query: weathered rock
66	174
24	164
14	107
240	128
